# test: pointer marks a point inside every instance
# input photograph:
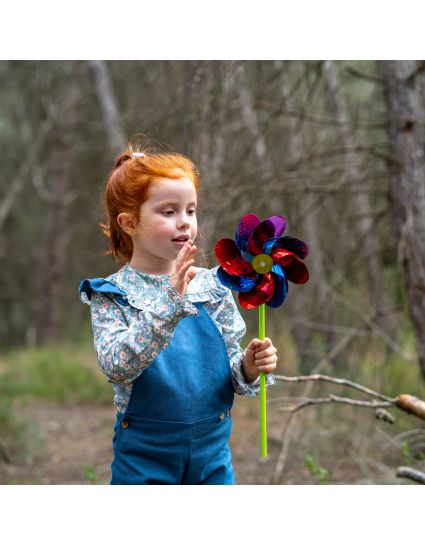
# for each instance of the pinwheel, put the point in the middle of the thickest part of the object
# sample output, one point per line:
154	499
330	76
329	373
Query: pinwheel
258	265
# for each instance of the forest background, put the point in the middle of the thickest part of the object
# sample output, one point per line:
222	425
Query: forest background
335	147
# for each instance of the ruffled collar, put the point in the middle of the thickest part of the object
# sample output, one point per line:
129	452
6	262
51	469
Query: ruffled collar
204	287
151	279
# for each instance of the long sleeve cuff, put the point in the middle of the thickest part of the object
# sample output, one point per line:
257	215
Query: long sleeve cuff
241	386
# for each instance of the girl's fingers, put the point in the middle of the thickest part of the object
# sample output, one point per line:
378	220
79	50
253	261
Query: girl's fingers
184	268
183	252
265	353
187	265
267	368
186	253
266	362
254	344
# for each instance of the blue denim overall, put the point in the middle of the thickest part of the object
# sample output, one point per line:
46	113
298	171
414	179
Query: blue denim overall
177	424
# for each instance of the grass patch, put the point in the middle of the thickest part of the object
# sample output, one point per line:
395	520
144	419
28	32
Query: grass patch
90	474
66	374
19	438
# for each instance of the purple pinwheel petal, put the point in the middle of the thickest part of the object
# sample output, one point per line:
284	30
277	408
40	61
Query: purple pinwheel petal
294	268
245	228
234	282
271	227
260	293
230	258
280	287
294	245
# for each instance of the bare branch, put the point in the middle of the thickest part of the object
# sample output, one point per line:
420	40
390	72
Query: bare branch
111	117
289	429
410	473
340	381
32	153
361	75
418	70
336	399
315	118
25	169
405	402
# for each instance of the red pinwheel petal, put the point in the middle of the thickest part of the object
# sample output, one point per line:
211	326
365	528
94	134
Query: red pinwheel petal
295	270
230	258
294	245
271	227
260	293
245	228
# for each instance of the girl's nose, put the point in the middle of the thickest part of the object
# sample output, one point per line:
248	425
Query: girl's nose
183	221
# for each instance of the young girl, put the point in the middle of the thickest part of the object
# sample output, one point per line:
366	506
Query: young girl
167	332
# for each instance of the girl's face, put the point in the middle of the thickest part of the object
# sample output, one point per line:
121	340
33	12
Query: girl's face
168	213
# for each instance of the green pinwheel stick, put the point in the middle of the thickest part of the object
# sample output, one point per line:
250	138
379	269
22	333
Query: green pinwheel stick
258	265
263	391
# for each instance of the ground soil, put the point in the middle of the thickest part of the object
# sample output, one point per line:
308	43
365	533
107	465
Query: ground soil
73	446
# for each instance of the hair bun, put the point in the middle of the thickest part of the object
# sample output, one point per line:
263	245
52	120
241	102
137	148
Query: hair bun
126	156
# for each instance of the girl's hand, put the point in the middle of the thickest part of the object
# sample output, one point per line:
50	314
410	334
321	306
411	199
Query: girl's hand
259	356
182	276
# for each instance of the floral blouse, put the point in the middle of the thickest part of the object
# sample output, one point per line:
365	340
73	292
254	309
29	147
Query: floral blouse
134	316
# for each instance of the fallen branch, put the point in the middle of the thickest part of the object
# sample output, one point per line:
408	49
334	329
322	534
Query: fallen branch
336	399
411	473
341	381
405	402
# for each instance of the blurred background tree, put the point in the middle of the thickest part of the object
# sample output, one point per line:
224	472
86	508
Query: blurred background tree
320	142
337	147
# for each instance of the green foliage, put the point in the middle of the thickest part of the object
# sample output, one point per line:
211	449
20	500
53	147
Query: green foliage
12	428
18	437
407	455
315	469
61	373
90	473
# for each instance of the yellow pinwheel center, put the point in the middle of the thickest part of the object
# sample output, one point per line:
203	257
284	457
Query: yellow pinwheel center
262	263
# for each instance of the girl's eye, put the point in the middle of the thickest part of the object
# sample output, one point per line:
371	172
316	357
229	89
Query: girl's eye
191	212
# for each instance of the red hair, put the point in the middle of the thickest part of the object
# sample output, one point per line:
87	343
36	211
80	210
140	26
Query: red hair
127	189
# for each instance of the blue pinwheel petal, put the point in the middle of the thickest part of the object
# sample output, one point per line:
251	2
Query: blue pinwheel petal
294	245
245	228
236	282
280	287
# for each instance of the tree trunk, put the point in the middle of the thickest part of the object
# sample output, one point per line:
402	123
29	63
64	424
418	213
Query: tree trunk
364	226
322	303
108	102
56	232
406	139
209	96
252	124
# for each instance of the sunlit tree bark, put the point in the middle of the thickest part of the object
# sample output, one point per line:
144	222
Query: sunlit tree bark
406	140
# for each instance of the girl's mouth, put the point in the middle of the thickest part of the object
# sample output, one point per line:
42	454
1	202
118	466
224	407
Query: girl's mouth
181	241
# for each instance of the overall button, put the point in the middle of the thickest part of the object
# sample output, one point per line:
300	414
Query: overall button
222	417
124	424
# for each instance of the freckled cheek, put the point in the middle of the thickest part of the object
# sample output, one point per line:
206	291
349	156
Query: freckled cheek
159	229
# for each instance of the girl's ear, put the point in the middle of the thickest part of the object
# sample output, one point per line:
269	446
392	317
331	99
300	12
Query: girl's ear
126	222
